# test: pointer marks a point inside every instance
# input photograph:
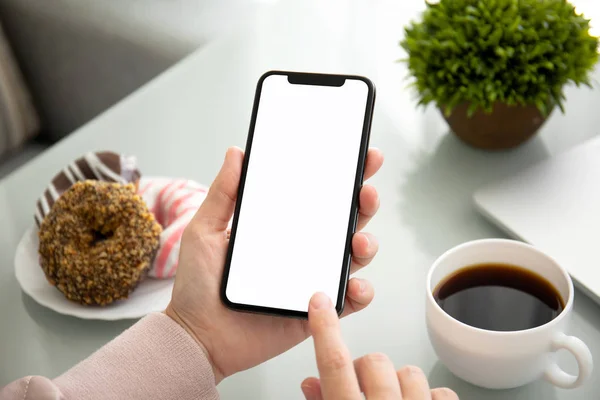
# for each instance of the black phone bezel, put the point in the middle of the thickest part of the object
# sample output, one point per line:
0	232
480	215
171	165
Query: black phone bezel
304	78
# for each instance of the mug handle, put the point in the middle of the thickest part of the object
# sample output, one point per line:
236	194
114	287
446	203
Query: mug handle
555	375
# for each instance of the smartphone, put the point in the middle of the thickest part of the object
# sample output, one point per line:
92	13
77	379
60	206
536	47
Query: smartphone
297	203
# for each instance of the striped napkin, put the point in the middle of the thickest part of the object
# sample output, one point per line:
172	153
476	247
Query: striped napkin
173	202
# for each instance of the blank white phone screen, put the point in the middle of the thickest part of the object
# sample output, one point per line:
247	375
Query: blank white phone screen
297	199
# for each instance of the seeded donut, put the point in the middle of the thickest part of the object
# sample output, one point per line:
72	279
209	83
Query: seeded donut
98	241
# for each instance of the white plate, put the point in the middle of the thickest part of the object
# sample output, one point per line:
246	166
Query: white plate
152	295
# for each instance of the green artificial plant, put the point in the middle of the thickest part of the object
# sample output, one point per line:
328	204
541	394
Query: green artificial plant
518	52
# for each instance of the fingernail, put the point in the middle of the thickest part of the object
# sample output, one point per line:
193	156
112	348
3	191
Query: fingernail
320	301
414	371
362	285
306	391
368	241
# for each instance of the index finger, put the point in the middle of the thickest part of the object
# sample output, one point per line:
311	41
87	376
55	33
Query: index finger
373	163
336	369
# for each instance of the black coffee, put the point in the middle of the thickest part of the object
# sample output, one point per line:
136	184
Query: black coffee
498	297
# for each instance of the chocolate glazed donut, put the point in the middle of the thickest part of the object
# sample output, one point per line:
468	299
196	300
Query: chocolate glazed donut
103	166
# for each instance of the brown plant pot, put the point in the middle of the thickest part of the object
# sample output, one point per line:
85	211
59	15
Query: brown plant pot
506	127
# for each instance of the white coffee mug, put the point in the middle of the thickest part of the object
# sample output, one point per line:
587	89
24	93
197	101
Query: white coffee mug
502	360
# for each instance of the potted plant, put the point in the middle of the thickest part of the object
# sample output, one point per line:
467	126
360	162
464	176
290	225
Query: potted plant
497	68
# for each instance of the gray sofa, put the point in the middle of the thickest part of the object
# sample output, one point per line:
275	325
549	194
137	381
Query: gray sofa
79	57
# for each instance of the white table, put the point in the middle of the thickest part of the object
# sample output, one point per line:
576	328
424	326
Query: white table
181	124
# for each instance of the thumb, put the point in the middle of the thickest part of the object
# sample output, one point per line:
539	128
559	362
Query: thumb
216	210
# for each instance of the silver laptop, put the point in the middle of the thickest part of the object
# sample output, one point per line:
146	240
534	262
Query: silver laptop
555	206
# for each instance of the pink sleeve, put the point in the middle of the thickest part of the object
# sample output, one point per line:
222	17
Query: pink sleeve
154	359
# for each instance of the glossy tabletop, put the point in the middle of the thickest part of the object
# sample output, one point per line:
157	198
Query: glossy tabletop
181	123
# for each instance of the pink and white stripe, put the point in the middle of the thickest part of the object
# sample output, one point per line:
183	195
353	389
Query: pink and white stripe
173	202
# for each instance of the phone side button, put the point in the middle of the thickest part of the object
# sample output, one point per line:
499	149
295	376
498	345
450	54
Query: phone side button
355	221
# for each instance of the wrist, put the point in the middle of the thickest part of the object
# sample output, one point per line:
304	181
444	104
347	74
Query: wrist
171	313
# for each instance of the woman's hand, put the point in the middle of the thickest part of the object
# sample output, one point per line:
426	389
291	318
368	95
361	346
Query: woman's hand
235	341
374	374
